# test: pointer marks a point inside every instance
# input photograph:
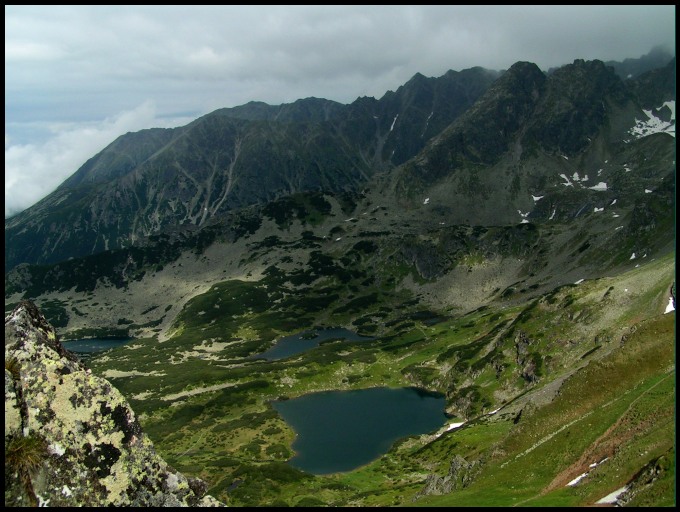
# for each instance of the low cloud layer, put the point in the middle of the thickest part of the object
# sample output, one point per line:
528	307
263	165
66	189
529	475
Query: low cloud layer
33	170
79	76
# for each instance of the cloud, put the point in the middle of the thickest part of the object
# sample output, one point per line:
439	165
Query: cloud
34	170
28	51
73	72
286	52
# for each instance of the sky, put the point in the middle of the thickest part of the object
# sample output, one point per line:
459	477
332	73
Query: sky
77	77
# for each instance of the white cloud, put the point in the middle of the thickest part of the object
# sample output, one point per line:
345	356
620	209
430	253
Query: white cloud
34	170
79	67
206	56
22	50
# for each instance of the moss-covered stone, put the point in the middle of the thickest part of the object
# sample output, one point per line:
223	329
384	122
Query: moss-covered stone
71	439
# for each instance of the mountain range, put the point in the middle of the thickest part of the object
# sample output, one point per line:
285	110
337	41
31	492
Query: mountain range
505	236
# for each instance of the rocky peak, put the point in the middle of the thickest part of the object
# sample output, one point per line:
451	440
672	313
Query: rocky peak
656	86
71	438
577	102
487	129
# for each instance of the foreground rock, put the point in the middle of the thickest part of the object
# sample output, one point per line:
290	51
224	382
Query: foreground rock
71	438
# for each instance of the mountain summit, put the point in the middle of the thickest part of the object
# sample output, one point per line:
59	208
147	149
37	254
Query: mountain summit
505	240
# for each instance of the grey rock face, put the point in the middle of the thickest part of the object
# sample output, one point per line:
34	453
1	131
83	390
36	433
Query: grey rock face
71	438
461	474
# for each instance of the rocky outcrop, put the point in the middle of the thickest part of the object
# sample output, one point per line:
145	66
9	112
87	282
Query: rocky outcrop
461	474
526	360
642	483
71	438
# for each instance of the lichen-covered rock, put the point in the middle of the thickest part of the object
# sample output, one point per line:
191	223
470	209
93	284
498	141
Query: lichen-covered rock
71	438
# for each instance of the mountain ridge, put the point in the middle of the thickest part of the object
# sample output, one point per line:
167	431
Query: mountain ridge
520	263
215	163
354	147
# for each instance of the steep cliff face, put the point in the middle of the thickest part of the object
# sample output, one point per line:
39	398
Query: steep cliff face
71	439
160	180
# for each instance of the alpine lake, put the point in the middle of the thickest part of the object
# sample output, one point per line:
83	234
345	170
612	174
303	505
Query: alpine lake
342	430
336	431
84	348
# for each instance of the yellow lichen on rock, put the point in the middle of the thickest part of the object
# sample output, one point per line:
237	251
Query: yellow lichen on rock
93	444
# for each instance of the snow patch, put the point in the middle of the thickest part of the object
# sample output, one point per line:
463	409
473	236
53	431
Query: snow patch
576	177
536	198
579	281
670	307
598	209
602	186
427	121
427	200
394	121
654	124
455	425
577	479
647	191
612	497
632	256
568	183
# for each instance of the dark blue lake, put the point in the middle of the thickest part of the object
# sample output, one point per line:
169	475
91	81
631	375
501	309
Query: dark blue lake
302	341
343	430
89	345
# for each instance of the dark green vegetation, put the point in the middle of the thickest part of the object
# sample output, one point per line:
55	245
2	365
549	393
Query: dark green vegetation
581	373
23	456
507	241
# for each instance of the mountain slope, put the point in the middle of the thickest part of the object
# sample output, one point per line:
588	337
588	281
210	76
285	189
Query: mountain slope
519	262
157	180
525	116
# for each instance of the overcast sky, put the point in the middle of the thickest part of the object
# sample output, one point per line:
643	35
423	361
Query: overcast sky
77	77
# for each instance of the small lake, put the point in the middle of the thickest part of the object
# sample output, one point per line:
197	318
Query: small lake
86	347
303	341
342	430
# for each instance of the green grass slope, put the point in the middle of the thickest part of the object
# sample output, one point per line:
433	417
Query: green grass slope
582	374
